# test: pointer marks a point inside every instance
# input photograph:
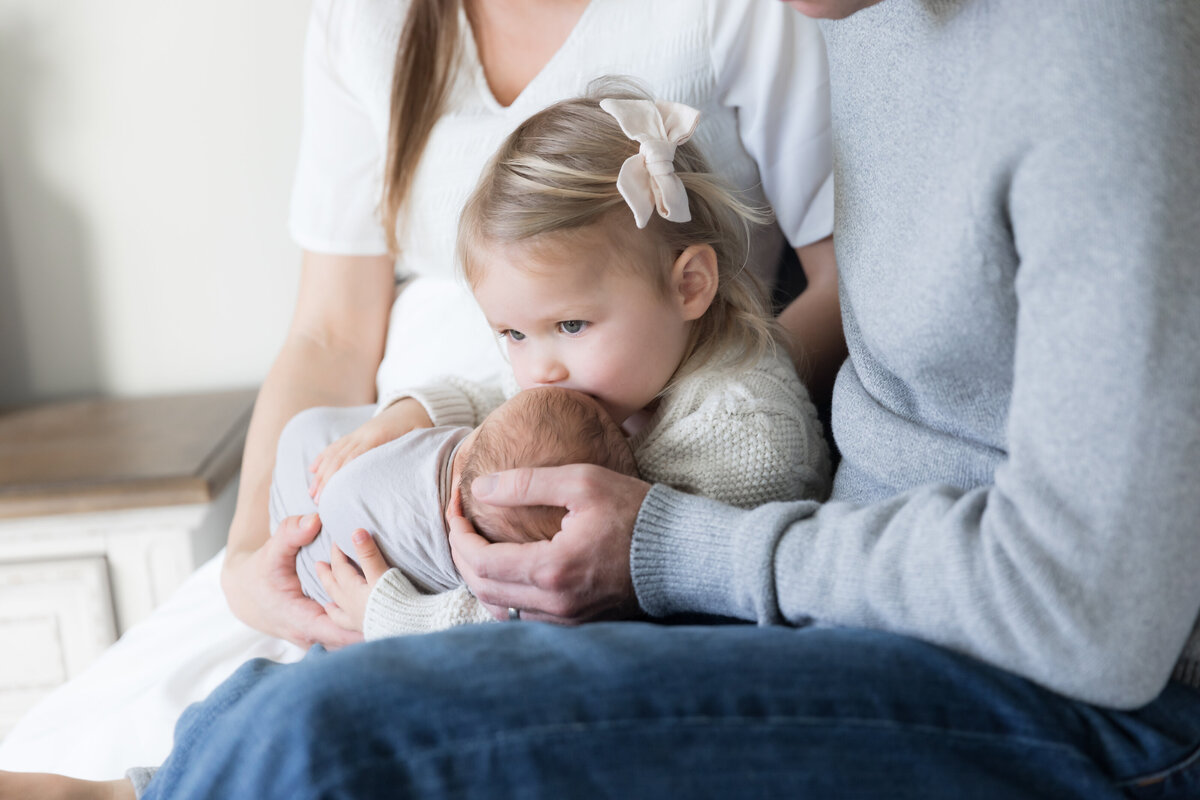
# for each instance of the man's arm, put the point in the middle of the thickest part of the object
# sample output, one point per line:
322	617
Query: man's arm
1077	565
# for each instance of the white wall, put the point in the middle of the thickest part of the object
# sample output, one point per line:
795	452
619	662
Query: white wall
146	151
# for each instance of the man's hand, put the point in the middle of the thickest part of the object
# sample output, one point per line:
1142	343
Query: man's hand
264	591
581	574
348	588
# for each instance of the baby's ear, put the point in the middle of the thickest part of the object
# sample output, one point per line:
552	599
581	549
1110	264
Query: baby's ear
694	280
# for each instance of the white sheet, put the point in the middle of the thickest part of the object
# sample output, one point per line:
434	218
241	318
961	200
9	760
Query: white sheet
121	711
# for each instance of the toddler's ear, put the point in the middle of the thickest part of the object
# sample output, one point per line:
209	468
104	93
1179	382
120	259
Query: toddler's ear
694	280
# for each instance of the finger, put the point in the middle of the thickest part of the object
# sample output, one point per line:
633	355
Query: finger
499	574
527	615
295	532
466	546
332	587
339	616
323	476
563	487
325	631
344	571
366	552
330	449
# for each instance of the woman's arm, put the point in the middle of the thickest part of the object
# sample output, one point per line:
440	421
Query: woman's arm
813	322
330	357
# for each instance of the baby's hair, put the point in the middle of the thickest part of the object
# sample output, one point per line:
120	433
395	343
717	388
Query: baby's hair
557	174
541	427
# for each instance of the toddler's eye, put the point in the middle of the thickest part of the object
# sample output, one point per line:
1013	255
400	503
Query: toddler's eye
572	326
509	333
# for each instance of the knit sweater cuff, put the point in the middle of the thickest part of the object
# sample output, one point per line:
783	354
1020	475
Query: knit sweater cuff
682	556
395	608
445	405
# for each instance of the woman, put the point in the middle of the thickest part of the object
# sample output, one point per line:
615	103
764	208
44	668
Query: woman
465	75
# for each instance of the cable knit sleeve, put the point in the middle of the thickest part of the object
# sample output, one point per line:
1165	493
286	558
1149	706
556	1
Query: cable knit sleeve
396	608
454	400
745	438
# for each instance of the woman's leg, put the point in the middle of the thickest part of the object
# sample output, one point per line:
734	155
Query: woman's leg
45	786
637	710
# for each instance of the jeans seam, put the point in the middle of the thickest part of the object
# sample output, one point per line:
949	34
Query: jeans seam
700	720
1147	779
475	743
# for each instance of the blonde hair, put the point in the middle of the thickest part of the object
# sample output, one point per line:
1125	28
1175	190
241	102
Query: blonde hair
424	69
557	173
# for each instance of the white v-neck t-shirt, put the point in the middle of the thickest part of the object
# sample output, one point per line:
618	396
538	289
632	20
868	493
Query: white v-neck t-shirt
755	69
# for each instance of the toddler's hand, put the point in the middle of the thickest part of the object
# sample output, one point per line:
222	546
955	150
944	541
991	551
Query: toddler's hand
391	423
346	586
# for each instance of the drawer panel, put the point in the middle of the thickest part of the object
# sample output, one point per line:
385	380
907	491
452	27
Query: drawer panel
56	617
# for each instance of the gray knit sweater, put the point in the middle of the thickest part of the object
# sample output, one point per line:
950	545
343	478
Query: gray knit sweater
1018	234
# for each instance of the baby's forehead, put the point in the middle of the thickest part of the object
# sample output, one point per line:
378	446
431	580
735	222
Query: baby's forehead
545	401
532	407
519	413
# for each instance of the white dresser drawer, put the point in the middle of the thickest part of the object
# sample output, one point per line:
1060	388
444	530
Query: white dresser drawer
106	506
56	616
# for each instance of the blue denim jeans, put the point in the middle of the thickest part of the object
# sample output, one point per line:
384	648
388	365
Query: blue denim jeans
633	710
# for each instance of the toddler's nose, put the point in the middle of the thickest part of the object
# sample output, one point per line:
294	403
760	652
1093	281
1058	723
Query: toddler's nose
550	370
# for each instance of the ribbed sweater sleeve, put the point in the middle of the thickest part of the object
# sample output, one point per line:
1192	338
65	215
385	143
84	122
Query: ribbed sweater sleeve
453	400
396	608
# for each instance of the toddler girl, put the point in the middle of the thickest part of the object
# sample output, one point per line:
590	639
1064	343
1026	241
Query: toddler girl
609	259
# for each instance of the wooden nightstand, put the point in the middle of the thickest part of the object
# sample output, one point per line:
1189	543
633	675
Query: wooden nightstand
106	506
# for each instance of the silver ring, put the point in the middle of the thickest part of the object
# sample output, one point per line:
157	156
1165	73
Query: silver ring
514	614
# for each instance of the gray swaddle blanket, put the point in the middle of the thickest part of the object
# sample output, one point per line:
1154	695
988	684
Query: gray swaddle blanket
397	492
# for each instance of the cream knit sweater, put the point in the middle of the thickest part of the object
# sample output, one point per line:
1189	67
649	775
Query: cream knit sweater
744	437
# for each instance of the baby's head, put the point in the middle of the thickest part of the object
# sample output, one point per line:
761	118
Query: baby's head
546	427
614	290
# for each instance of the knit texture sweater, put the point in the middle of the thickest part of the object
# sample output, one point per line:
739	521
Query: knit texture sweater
744	437
1017	235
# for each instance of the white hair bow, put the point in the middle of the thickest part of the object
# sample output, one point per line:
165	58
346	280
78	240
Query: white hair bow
647	180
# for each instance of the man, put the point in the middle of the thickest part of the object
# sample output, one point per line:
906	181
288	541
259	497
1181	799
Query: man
999	598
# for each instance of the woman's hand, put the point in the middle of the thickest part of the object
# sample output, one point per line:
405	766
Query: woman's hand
350	589
393	422
264	591
582	573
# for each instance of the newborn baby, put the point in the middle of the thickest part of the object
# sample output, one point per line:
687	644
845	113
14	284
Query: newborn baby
400	491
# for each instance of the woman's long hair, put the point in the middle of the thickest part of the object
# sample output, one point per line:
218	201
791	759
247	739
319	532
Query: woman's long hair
426	61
